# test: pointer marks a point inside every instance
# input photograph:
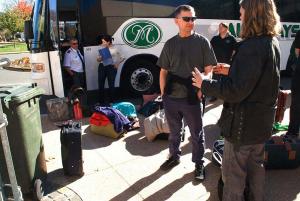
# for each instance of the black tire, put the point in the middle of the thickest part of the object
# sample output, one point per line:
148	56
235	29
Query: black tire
141	76
38	191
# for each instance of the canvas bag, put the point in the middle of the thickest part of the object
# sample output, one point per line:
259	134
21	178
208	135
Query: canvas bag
156	124
58	109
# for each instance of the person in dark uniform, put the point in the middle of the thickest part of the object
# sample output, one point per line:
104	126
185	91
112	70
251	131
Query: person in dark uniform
74	63
294	124
223	44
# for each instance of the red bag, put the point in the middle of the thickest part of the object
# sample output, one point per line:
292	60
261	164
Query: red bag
99	119
77	111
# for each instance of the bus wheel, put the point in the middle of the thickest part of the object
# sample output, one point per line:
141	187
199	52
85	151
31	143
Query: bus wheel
141	77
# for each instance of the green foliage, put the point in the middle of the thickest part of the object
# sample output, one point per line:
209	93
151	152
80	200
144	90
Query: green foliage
17	47
10	20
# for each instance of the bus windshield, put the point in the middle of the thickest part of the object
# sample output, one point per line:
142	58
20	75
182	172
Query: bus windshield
38	20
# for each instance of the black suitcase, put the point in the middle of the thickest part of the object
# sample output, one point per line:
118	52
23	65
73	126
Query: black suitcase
71	151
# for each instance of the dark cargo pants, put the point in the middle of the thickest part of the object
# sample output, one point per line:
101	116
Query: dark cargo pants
294	125
176	109
237	165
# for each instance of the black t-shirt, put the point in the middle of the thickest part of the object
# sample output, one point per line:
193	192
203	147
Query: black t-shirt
223	47
180	55
297	40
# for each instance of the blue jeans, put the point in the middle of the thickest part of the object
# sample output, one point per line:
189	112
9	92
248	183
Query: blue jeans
176	109
110	73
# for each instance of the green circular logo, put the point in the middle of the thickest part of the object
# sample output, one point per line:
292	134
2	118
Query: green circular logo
141	34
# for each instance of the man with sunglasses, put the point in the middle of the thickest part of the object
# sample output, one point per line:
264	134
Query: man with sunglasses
179	56
74	63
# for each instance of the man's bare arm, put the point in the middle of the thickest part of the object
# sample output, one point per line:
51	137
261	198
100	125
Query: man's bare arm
162	80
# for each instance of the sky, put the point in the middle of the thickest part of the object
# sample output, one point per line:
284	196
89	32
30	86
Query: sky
1	5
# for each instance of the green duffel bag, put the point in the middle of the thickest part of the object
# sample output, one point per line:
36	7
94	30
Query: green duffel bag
282	152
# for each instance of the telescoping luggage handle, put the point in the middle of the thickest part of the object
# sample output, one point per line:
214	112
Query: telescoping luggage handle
16	190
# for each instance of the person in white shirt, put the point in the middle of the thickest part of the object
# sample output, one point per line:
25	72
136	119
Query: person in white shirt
74	63
109	63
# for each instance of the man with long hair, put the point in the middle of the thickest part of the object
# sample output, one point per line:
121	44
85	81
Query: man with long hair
249	92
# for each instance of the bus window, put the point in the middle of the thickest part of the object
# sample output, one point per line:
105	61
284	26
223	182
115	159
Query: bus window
53	25
38	25
289	10
216	9
68	30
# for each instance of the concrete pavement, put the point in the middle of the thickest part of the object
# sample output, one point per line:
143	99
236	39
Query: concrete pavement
128	168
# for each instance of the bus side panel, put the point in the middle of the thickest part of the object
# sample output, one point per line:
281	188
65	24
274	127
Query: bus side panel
56	74
91	67
42	77
10	77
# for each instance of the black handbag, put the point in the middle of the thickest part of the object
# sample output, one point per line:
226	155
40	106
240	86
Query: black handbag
282	152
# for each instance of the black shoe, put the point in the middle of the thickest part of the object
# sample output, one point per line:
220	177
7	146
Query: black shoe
169	164
199	172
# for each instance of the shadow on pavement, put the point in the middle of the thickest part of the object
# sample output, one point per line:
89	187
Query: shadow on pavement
56	180
166	192
93	141
282	185
134	143
138	186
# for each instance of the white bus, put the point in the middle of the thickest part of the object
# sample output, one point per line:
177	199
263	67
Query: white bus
140	29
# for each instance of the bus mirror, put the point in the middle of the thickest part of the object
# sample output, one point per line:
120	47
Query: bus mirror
28	31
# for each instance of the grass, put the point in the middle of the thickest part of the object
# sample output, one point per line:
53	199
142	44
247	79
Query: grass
17	47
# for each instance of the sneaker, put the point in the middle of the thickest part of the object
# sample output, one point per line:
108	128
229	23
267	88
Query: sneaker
169	164
199	172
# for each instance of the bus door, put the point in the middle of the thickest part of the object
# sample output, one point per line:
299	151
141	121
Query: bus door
68	21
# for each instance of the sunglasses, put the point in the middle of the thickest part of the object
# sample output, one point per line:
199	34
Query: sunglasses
188	19
74	43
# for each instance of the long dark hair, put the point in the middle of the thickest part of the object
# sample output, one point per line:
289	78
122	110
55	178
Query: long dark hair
106	37
260	18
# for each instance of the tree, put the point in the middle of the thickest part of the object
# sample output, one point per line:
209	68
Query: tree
23	8
12	19
9	21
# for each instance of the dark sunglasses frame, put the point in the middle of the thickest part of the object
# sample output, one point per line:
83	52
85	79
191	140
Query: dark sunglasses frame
188	19
74	43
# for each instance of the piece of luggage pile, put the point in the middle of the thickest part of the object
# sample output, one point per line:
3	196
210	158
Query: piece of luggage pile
71	107
281	152
106	121
114	121
155	123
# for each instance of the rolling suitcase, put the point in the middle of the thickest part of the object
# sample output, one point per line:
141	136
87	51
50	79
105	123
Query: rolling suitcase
71	151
